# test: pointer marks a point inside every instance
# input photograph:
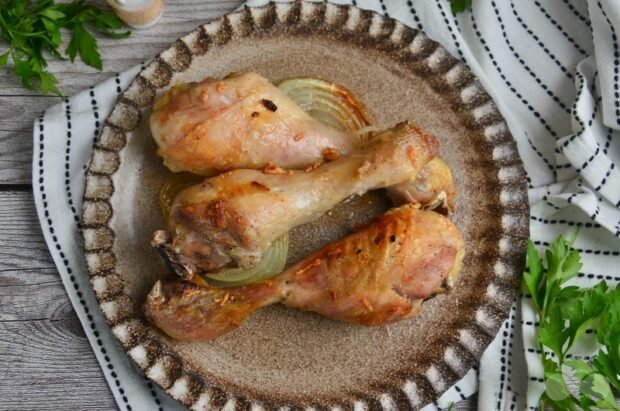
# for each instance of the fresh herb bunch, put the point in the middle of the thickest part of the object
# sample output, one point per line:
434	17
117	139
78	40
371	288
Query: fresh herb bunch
458	6
33	28
566	312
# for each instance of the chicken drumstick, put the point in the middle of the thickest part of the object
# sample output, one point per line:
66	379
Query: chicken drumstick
235	216
245	122
377	275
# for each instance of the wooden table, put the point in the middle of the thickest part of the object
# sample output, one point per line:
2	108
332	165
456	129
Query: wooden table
45	359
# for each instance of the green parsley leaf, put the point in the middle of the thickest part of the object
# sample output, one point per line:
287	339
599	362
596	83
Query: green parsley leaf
84	43
108	21
53	33
581	369
607	362
52	14
559	405
4	58
604	364
597	388
555	387
586	402
48	83
533	274
581	307
25	72
565	313
33	29
551	332
563	263
458	6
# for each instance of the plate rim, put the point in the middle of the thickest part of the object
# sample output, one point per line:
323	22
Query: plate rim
445	73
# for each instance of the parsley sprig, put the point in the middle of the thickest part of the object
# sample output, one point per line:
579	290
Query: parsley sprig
32	30
566	313
458	6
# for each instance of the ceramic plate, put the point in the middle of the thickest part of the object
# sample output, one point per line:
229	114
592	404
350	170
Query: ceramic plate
282	357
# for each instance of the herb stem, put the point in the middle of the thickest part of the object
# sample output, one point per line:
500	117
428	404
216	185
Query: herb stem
35	34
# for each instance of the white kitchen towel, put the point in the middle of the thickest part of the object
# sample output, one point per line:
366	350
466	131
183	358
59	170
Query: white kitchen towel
551	66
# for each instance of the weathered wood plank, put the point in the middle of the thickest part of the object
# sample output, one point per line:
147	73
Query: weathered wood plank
30	288
17	113
49	365
21	242
15	157
46	361
18	303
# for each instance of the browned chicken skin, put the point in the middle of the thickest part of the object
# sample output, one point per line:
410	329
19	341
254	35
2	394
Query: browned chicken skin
245	122
377	275
234	217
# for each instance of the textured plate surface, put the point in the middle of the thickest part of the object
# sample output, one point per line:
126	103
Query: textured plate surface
282	357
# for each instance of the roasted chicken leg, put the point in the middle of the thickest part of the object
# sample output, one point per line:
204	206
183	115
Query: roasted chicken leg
378	275
234	217
245	122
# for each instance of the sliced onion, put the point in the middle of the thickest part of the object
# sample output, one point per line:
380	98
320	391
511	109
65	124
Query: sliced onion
272	264
172	186
329	103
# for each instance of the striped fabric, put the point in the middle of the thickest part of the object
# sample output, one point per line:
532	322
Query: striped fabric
552	67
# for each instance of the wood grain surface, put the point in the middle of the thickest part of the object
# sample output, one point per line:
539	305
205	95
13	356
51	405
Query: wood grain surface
46	362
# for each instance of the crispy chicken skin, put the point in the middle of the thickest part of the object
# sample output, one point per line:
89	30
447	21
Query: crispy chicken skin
377	275
220	125
234	217
243	121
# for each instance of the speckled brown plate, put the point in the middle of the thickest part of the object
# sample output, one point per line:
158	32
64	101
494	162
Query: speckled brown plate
282	357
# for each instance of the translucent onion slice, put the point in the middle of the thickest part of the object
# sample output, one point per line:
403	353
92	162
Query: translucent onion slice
272	264
172	186
329	103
